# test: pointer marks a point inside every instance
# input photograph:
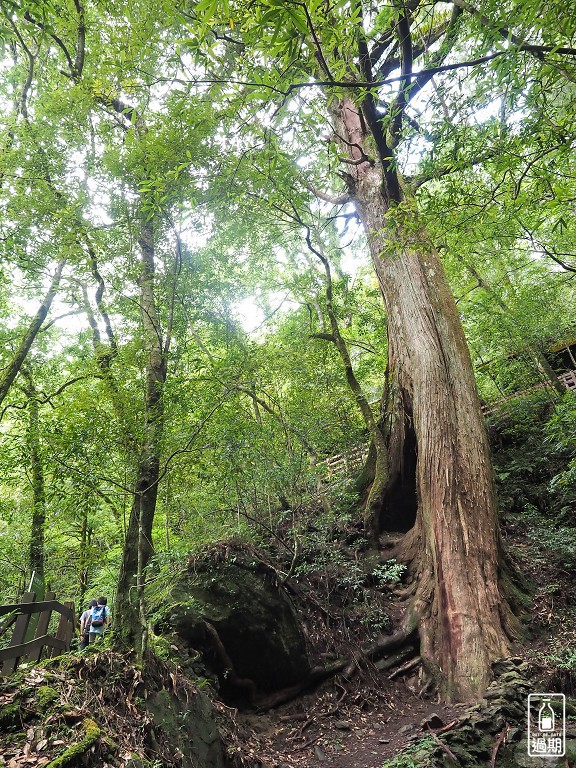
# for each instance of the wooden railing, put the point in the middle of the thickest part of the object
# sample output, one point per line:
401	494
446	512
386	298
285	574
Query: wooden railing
19	616
344	463
568	380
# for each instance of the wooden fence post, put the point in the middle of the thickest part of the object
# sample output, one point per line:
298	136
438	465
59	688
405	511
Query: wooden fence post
65	630
20	627
42	627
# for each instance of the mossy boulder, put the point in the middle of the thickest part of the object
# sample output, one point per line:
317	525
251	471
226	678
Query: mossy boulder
10	715
482	725
233	611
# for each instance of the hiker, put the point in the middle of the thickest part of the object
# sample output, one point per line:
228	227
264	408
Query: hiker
85	624
99	620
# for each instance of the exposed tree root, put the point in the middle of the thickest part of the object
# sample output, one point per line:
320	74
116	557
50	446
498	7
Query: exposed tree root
287	694
382	645
445	747
388	642
405	594
231	677
347	666
501	737
397	658
406	667
426	687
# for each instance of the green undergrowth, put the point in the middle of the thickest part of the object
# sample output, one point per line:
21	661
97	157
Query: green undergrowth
534	456
417	755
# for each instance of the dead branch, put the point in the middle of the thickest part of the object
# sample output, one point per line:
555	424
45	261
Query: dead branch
445	747
405	667
501	737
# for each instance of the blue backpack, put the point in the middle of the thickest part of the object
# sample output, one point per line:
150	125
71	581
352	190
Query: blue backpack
98	616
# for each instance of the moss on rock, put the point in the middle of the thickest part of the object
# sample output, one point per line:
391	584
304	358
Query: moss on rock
189	727
252	616
70	757
45	696
10	714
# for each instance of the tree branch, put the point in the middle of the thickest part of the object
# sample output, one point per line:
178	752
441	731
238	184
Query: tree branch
264	405
319	52
374	120
57	40
531	163
24	347
450	38
504	32
342	199
418	181
80	43
99	294
551	254
406	60
377	83
21	105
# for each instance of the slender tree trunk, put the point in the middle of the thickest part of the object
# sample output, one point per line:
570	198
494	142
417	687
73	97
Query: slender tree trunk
138	544
37	532
453	548
379	477
84	544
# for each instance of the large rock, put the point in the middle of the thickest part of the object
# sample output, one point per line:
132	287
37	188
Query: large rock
235	613
190	728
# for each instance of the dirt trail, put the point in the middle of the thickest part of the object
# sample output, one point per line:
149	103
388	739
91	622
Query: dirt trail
346	730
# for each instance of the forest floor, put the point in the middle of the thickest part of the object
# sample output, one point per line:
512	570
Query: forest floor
362	720
367	720
358	731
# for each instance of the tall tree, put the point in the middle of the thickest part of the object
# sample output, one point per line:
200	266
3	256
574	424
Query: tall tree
148	161
37	534
355	55
359	95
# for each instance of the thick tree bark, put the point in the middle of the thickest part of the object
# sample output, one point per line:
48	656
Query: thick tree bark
453	548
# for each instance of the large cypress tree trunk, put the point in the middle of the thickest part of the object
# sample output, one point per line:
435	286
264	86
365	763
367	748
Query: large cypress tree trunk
453	547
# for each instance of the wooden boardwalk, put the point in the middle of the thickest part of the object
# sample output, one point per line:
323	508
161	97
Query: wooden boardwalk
350	462
567	379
